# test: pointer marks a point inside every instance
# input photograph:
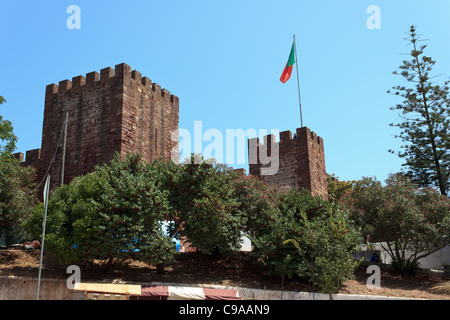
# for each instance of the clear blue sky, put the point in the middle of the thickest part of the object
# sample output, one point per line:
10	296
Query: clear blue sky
223	59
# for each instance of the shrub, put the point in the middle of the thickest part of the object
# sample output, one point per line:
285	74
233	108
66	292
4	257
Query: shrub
330	244
409	222
17	195
203	204
114	212
308	237
337	188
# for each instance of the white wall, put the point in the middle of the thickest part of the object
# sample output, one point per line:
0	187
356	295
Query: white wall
246	244
436	260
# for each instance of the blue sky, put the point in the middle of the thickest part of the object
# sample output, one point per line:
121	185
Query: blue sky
223	59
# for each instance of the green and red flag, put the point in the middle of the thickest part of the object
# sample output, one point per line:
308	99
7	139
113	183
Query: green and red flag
286	75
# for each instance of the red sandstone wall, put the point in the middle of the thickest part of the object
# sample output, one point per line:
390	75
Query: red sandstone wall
117	110
150	116
301	162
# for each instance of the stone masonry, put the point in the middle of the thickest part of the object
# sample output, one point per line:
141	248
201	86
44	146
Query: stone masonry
117	110
301	161
120	111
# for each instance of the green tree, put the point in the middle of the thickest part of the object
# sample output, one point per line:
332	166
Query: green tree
410	223
17	194
7	136
364	201
73	221
337	188
257	201
114	212
328	246
269	230
309	237
425	111
203	204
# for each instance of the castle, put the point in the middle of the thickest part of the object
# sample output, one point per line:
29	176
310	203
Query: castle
117	110
300	162
120	111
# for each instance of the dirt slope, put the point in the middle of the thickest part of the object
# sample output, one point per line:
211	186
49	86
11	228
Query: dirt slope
237	271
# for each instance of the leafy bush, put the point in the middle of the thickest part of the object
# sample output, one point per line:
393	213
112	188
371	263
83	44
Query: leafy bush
257	201
17	193
405	266
410	222
310	238
329	246
337	188
114	212
203	204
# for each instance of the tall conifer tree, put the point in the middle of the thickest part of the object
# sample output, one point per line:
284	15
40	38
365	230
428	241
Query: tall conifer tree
425	112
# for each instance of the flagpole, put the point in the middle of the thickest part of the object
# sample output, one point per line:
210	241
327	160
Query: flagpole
298	83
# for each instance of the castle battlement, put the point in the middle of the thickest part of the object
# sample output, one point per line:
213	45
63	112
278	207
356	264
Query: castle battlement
286	137
114	110
31	156
121	71
301	160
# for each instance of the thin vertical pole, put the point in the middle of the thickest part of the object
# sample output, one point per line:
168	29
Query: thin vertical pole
63	160
298	83
44	222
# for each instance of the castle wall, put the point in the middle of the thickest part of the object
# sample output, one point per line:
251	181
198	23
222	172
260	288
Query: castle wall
150	117
117	110
300	161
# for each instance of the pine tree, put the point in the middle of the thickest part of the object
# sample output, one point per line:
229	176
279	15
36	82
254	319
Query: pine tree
425	111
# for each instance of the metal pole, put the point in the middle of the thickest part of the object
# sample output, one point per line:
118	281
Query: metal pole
298	83
44	222
63	160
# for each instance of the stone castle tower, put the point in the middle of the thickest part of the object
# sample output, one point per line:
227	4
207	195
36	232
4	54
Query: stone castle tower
120	111
117	110
300	162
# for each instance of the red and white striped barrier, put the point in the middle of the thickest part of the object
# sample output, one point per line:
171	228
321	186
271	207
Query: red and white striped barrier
185	293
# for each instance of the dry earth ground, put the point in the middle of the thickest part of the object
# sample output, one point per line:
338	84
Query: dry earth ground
198	268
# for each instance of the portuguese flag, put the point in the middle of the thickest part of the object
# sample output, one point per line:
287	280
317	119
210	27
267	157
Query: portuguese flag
289	65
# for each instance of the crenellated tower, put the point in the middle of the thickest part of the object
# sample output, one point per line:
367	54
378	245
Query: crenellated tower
298	163
117	110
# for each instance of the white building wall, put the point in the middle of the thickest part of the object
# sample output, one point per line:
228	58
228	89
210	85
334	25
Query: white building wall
436	260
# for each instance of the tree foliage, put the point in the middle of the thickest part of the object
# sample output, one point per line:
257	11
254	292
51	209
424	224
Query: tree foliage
425	114
114	212
337	188
204	204
17	193
310	238
7	137
327	249
409	222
